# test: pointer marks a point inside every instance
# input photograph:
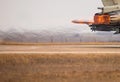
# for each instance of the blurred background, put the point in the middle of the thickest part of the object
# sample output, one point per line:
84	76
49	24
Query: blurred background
50	21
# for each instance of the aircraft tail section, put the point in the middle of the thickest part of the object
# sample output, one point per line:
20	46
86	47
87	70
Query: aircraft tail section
111	2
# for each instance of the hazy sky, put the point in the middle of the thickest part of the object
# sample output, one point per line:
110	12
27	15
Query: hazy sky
46	12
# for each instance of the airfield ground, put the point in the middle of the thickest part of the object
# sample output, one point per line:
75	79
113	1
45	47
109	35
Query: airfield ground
60	63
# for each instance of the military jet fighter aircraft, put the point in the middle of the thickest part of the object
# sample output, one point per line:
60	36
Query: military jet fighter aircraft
107	20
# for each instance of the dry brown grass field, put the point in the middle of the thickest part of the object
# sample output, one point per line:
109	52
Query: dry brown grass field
59	63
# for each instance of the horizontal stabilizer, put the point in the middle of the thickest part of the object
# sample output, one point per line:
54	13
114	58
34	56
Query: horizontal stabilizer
111	2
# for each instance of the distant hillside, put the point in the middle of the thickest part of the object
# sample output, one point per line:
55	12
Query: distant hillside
61	34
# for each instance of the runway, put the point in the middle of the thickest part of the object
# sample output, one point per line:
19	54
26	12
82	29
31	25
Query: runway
59	49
